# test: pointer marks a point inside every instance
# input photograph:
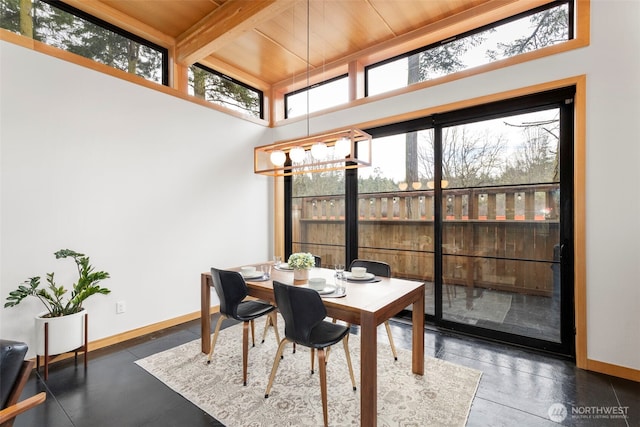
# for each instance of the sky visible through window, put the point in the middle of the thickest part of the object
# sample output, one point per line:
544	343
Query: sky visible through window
320	97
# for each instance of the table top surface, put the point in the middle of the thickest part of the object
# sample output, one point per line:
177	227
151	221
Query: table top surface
363	296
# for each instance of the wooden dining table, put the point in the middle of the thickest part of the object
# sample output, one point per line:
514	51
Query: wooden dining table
367	304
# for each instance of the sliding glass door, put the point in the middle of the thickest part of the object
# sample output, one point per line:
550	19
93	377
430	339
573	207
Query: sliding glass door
475	203
501	225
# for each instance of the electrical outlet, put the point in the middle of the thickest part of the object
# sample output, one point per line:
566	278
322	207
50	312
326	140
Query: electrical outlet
121	307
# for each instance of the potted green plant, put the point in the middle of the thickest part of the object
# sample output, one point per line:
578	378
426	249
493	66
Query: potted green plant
301	262
63	313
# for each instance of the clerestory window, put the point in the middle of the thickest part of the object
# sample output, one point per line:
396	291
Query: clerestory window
223	90
317	97
60	25
544	26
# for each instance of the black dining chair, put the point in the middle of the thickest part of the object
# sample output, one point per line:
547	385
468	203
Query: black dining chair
232	290
304	312
381	269
14	373
317	260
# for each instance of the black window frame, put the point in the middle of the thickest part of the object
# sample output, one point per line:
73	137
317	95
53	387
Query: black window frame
124	33
308	88
238	82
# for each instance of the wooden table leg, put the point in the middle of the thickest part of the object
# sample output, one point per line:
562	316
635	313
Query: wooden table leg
417	334
368	371
205	310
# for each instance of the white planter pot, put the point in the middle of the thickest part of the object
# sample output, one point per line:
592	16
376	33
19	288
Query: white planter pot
301	274
66	333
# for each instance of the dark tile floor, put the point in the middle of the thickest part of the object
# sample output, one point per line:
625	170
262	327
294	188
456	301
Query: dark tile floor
526	315
518	387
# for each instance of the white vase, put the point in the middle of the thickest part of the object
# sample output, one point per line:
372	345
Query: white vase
301	274
66	333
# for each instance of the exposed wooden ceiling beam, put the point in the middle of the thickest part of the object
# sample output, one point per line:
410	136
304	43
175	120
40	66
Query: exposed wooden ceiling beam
223	25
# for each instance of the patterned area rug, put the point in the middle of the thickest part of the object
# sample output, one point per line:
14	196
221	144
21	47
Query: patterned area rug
442	397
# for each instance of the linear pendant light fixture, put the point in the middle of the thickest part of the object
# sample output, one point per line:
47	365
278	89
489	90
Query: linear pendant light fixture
336	150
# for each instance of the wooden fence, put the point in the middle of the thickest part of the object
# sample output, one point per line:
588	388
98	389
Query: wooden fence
500	237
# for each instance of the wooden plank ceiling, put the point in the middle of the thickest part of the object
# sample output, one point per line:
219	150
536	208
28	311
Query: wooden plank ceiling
267	39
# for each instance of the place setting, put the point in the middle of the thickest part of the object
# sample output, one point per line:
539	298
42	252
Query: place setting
360	275
279	265
327	290
254	274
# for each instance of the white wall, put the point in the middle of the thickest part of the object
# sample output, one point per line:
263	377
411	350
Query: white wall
613	183
154	189
612	66
168	170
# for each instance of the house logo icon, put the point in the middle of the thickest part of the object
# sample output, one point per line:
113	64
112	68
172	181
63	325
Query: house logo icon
557	412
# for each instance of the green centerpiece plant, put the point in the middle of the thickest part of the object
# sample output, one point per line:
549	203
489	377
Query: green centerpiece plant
301	262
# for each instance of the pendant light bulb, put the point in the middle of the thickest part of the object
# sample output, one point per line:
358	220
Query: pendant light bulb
319	150
278	157
343	147
297	154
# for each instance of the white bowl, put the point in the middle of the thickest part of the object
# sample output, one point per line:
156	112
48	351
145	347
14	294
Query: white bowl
358	271
246	271
317	283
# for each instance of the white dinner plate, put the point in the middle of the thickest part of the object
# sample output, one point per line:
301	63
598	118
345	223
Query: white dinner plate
253	275
367	276
284	267
335	294
328	289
